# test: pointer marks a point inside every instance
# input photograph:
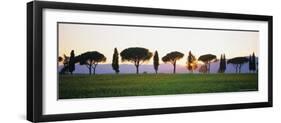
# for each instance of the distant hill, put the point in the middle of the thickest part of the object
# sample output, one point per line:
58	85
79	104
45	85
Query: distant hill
163	68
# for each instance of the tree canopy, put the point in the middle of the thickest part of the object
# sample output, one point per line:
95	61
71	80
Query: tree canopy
172	57
60	59
207	59
91	60
238	62
136	55
65	62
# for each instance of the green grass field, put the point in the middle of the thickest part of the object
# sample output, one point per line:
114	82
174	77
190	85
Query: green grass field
91	86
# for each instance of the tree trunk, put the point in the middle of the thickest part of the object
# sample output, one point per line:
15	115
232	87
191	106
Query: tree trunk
137	64
236	69
137	67
209	67
239	68
95	66
90	70
174	67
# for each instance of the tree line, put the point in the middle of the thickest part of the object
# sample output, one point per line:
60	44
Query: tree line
139	55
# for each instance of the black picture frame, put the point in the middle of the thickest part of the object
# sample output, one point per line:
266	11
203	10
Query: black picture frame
34	60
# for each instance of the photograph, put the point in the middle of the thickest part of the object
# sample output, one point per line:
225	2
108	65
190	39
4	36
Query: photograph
87	60
101	60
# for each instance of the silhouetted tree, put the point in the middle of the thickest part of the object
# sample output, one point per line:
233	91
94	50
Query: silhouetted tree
222	66
250	63
172	57
156	61
207	59
224	63
65	60
136	55
203	69
238	62
71	64
91	60
115	61
191	62
60	59
254	62
257	64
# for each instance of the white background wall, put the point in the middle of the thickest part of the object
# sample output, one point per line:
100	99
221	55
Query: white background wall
13	61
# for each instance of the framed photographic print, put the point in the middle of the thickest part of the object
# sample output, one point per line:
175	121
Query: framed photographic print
96	61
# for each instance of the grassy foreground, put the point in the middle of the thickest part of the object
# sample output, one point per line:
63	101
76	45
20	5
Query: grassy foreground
86	86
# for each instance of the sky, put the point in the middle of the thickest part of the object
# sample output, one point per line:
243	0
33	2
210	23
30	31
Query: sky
104	38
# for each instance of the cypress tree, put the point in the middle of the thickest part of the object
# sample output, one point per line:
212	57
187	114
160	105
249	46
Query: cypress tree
156	61
221	65
254	62
115	61
71	64
250	63
224	64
